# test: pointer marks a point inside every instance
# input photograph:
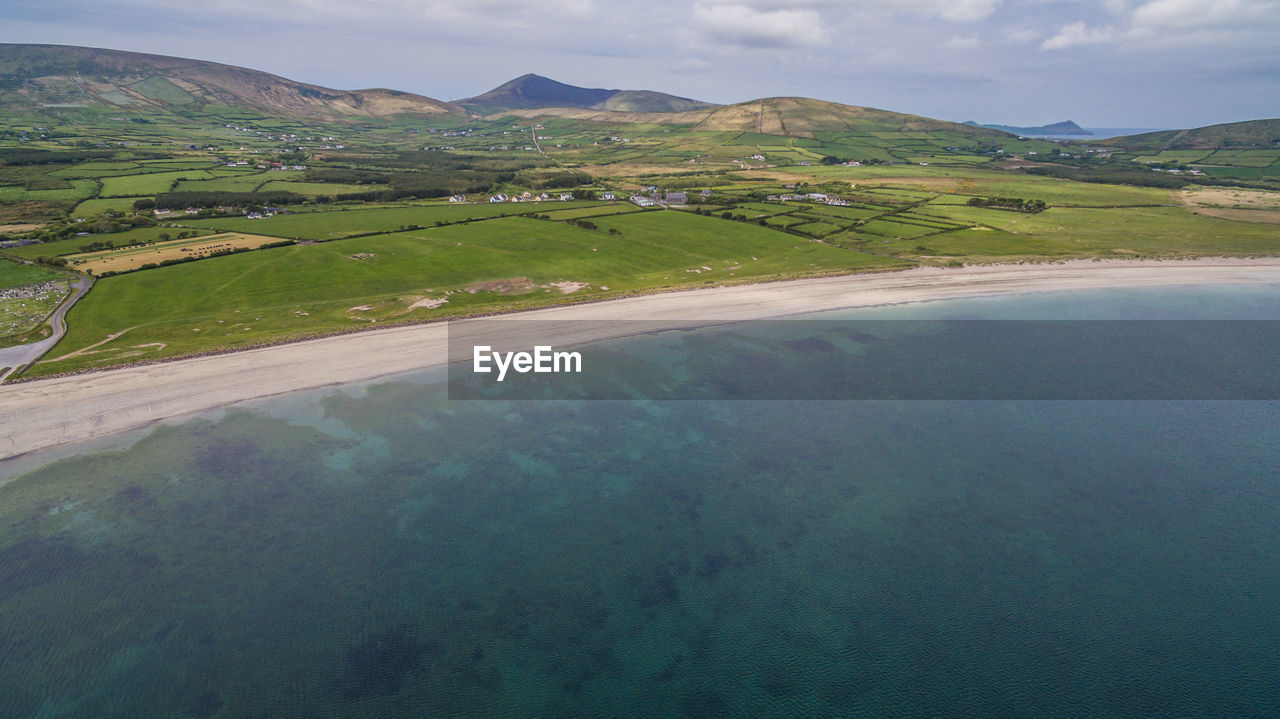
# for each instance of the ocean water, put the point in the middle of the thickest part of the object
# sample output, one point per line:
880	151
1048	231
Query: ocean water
384	551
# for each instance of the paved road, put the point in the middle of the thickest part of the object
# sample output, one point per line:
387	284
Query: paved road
17	356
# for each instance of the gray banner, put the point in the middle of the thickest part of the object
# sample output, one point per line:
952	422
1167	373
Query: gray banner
866	359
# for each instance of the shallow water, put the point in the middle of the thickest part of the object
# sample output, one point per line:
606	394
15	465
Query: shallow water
393	553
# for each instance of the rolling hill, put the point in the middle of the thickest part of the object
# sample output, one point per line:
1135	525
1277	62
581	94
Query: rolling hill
1066	127
535	91
52	76
795	116
1252	134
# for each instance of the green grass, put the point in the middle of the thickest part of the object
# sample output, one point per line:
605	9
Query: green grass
71	245
14	274
79	189
149	184
255	297
815	229
158	88
318	188
89	208
618	208
344	223
237	183
889	228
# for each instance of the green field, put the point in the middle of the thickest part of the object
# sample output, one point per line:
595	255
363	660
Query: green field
346	222
71	245
77	190
150	184
615	208
89	208
14	274
318	188
289	292
235	183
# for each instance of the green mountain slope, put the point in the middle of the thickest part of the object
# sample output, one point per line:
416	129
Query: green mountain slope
535	91
1066	127
794	116
1252	134
34	76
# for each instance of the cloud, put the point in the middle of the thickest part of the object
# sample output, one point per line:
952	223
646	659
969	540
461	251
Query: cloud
1228	23
1206	14
1020	35
955	10
739	24
1077	33
962	43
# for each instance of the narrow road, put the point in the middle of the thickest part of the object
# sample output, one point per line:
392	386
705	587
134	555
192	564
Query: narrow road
534	131
12	358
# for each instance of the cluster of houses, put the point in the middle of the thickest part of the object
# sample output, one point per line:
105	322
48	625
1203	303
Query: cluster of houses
289	137
657	199
818	197
524	197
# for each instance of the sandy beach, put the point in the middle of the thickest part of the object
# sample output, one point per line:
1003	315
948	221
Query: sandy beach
48	413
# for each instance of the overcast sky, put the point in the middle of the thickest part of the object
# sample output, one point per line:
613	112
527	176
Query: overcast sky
1102	63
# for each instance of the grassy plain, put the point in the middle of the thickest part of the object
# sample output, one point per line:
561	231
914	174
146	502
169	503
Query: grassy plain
148	184
503	263
345	222
15	274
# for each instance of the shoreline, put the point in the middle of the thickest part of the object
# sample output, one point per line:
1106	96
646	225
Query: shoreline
45	413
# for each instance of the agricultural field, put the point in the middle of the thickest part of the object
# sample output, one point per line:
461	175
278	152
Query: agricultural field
317	188
240	182
97	206
577	213
127	259
15	274
502	263
148	184
346	222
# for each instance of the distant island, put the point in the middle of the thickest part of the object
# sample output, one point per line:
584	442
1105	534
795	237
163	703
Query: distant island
1066	127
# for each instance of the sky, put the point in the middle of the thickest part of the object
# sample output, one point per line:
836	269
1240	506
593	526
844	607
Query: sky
1101	63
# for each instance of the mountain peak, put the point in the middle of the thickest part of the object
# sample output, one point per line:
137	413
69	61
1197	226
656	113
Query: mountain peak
536	91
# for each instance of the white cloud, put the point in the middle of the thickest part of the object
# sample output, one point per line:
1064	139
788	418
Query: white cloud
1077	33
956	10
1226	23
739	24
1206	14
962	43
1020	35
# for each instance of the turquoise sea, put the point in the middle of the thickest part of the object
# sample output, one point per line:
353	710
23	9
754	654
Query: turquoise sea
382	551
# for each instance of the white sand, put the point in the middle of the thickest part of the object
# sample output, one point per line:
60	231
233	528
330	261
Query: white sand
48	413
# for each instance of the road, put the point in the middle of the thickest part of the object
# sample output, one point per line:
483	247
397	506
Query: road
13	357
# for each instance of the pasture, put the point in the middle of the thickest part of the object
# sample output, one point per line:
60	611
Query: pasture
345	222
149	184
498	264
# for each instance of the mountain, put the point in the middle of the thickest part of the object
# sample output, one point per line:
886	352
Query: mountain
68	76
796	116
1066	127
535	91
1252	134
